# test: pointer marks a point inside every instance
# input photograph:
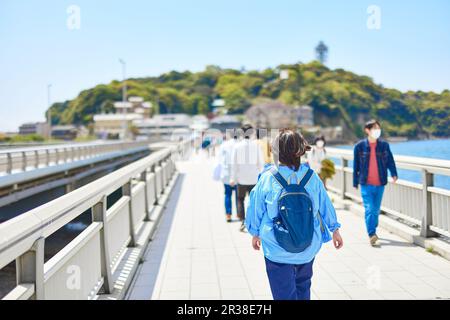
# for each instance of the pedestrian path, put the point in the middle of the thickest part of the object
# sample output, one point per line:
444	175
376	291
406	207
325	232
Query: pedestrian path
197	255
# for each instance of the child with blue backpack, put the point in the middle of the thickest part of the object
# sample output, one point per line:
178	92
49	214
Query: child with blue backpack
290	215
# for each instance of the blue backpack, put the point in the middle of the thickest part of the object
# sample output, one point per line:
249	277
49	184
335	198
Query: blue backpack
294	225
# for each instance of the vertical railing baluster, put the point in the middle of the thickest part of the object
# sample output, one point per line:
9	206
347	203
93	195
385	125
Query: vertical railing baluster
47	157
9	164
36	160
30	268
127	191
24	161
344	163
144	177
155	182
427	214
99	215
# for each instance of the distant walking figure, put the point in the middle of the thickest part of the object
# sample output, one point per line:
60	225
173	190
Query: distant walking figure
247	164
224	155
317	154
372	159
290	215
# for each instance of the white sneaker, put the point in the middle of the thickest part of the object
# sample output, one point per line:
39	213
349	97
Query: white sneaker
373	240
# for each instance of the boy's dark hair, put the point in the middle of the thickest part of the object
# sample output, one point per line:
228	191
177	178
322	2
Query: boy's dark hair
248	130
371	123
288	148
320	138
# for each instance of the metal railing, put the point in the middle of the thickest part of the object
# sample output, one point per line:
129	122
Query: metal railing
97	252
23	159
418	203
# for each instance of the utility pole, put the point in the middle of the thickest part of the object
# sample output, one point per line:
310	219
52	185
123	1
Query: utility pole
49	113
124	97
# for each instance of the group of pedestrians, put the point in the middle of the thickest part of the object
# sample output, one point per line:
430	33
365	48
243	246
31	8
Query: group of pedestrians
241	160
289	213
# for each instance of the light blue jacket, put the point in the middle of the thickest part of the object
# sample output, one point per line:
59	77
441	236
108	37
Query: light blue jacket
263	208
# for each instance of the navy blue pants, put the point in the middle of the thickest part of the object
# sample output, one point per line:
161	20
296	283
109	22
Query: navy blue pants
290	281
228	195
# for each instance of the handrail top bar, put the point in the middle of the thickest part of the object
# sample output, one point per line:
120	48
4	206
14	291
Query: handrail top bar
49	217
21	176
65	146
418	162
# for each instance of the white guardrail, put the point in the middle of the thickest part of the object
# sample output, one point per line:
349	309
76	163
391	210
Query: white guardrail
418	203
29	158
98	251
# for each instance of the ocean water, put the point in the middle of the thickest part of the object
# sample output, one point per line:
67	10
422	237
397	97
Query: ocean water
436	149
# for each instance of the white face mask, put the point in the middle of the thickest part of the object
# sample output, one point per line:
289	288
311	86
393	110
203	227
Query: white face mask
320	144
375	133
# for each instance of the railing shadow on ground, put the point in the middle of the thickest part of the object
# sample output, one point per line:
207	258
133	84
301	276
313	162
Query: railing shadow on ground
152	259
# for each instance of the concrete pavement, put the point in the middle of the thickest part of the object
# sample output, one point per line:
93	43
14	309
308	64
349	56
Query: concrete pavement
197	255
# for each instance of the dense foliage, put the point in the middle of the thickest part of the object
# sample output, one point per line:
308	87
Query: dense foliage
338	97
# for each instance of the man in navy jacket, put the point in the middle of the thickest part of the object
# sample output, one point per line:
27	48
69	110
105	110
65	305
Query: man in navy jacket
372	159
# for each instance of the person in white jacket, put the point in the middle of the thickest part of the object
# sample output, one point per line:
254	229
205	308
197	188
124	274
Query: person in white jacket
224	156
317	154
247	163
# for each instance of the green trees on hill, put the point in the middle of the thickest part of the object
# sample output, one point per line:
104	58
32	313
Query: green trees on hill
338	97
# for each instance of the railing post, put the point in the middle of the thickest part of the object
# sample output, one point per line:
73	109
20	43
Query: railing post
47	157
153	170
427	211
24	161
160	164
30	268
147	209
9	164
344	163
99	215
36	160
163	174
56	156
127	191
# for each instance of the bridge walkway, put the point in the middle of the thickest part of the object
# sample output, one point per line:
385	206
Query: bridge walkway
195	254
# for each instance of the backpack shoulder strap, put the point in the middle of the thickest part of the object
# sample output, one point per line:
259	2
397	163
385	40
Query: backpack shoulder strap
306	178
278	177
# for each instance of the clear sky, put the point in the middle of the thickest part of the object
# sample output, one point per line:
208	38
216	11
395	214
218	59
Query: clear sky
411	50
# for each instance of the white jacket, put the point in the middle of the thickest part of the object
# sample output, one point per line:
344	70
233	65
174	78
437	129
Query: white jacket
224	157
247	162
315	158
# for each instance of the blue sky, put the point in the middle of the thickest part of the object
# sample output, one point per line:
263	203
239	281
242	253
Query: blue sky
410	51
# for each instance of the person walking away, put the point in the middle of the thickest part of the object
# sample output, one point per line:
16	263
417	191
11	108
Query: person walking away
224	155
247	163
317	154
290	215
264	144
372	159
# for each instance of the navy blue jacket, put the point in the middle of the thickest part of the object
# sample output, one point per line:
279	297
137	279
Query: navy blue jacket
361	157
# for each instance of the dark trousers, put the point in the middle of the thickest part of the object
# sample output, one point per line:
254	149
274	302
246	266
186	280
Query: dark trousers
242	191
290	281
228	195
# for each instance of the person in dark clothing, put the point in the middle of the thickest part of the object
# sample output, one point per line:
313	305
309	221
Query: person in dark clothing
372	159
